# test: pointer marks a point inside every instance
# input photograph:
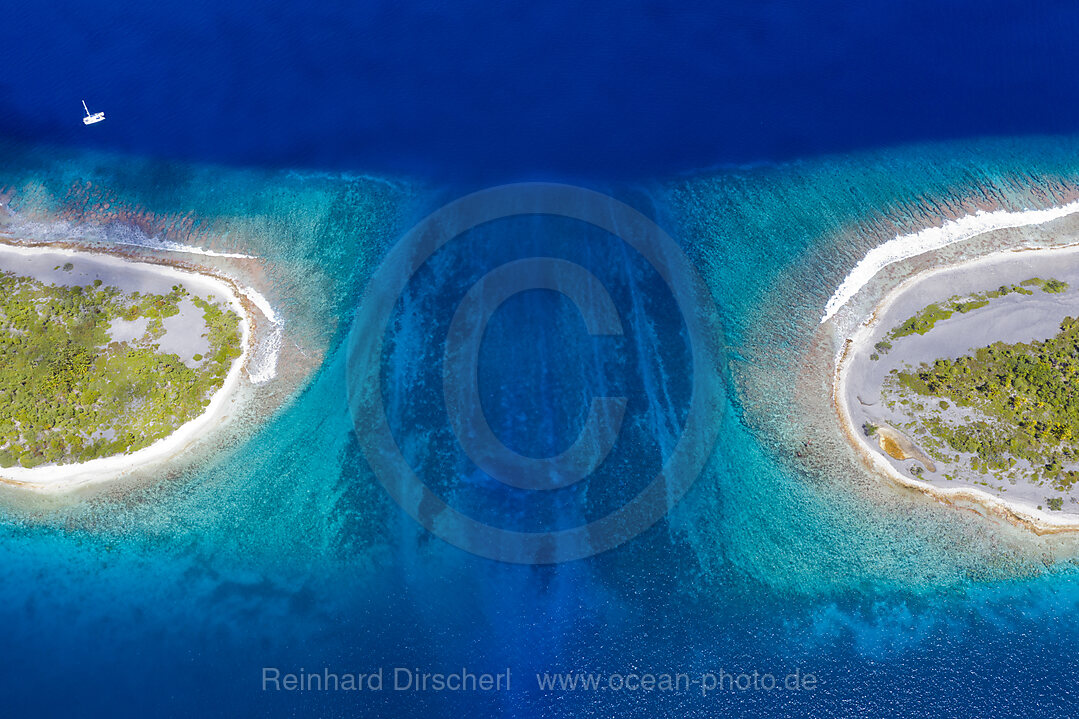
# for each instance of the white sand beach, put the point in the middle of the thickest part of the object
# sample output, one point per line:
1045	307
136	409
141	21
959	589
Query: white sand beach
1013	318
47	263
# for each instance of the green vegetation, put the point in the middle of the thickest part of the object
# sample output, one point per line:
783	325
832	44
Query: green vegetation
69	393
869	429
1049	285
1013	403
881	347
921	322
931	314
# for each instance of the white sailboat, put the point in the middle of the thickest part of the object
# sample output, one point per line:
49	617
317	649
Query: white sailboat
91	119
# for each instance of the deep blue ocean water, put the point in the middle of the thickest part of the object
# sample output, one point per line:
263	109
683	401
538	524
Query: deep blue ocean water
498	91
285	551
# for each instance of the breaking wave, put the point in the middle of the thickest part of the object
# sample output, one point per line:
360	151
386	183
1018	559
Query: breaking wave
934	238
263	364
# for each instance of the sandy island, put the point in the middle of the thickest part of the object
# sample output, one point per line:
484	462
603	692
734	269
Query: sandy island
40	262
1010	319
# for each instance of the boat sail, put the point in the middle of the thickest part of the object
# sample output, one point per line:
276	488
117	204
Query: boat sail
91	119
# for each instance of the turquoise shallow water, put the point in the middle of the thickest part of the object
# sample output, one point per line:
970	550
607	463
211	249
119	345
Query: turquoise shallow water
283	549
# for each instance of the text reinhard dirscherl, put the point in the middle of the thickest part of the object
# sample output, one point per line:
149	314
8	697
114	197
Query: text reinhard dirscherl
405	679
401	679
